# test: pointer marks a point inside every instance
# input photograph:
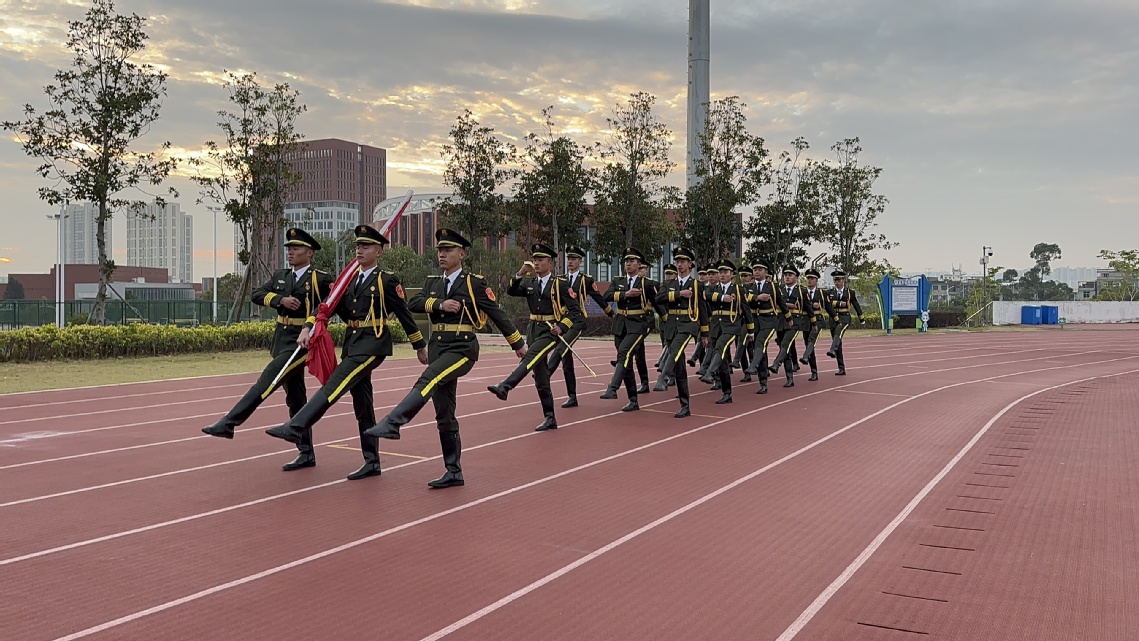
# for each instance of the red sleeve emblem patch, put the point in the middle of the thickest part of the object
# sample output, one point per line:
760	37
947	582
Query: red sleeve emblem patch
595	288
490	293
399	290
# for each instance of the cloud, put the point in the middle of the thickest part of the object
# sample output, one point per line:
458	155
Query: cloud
971	107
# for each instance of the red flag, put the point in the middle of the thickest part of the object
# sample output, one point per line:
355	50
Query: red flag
321	351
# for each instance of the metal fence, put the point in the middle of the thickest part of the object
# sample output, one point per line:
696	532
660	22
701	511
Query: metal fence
15	314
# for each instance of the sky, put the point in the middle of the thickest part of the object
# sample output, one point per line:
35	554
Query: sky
996	123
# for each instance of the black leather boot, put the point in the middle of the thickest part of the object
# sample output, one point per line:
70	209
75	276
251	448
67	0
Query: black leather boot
614	383
682	394
710	373
551	423
762	388
814	375
303	460
790	379
400	415
571	401
452	449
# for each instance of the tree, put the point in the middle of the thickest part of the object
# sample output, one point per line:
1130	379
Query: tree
781	229
630	202
1126	262
1009	276
477	167
1044	254
731	168
14	290
849	208
552	188
252	175
227	288
334	253
99	109
412	268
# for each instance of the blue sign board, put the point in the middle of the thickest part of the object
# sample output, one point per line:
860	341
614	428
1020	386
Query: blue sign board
904	297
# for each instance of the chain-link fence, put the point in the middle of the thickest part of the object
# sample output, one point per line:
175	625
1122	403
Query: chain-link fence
15	314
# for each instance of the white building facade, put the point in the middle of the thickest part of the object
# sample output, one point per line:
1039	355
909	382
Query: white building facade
163	237
80	240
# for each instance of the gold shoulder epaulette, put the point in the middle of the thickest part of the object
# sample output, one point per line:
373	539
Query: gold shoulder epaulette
478	276
434	276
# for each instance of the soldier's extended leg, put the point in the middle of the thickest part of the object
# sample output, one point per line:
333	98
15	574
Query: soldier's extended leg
535	359
448	366
786	343
759	357
260	391
809	354
545	395
713	358
296	396
697	355
725	370
742	357
348	374
679	368
626	352
445	399
570	376
365	413
836	347
642	368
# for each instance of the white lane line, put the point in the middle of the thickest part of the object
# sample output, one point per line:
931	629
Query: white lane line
467	380
465	506
253	457
514	596
194	517
862	558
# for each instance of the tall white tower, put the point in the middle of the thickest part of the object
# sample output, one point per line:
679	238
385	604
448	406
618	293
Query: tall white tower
699	39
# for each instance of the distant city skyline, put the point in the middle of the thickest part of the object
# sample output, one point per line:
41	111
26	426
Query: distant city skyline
1004	124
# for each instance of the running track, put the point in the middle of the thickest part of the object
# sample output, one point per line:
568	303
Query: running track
953	486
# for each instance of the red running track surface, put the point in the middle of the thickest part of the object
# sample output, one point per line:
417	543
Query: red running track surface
952	486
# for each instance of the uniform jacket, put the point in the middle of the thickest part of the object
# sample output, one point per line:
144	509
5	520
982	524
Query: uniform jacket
633	314
455	331
585	285
310	290
556	304
842	303
685	315
823	310
730	318
366	307
804	316
769	314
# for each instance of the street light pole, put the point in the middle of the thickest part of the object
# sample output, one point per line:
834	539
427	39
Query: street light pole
215	287
60	285
986	252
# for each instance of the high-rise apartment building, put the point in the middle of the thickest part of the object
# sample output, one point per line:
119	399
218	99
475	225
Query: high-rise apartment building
162	236
80	241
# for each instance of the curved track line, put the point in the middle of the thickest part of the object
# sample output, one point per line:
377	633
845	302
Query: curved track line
862	558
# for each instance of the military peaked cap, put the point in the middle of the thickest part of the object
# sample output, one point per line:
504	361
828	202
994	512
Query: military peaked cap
450	238
683	252
574	250
298	236
368	234
540	250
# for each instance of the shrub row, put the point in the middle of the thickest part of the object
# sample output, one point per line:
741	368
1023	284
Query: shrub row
85	342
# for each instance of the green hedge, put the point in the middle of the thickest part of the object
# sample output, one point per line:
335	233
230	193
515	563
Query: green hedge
118	341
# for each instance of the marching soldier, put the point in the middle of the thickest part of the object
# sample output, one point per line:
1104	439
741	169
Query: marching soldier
553	312
771	315
747	286
365	307
842	301
583	285
699	353
801	320
458	304
294	292
662	311
633	298
687	319
820	309
730	314
642	362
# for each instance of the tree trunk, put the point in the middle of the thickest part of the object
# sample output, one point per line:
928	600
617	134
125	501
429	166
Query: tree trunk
99	309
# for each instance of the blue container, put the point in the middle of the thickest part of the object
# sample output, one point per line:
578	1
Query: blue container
1031	315
1050	314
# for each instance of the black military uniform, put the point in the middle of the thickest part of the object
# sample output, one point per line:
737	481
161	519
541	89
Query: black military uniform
365	305
842	301
700	352
453	351
819	307
741	359
582	285
639	354
662	312
687	320
771	316
311	287
550	301
729	319
634	317
802	320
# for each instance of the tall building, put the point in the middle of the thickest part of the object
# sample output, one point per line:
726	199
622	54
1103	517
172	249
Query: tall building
80	240
337	177
162	236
